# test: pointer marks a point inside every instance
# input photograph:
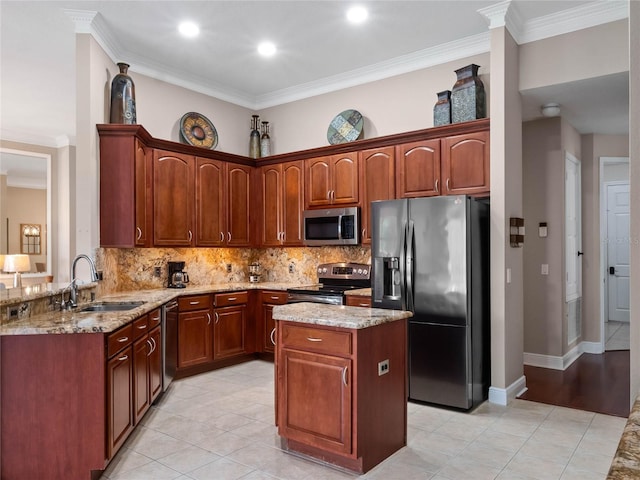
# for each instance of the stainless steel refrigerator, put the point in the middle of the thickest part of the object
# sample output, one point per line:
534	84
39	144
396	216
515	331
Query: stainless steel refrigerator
431	256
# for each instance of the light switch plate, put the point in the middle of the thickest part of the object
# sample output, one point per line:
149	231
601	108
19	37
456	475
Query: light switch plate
544	269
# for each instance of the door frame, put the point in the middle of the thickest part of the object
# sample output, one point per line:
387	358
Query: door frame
604	280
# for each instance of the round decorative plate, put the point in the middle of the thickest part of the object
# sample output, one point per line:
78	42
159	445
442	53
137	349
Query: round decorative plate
197	130
345	127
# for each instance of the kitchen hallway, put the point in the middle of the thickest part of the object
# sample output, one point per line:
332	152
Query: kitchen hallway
219	425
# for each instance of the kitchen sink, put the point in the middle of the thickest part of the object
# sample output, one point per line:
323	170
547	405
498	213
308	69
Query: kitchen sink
111	306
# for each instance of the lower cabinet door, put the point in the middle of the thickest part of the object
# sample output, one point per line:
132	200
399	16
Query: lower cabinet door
194	338
155	364
141	400
119	399
229	332
268	336
315	404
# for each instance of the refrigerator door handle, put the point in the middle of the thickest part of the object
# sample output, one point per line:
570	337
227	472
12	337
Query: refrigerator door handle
409	265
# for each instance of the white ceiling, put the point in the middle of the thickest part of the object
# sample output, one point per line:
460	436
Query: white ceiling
318	51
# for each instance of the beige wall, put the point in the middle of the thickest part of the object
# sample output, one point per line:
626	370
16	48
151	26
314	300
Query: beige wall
393	105
588	53
594	147
28	206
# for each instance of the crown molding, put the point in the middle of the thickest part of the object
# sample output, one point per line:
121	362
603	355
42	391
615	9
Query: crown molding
504	14
34	138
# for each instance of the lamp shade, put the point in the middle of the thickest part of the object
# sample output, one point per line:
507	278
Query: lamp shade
17	263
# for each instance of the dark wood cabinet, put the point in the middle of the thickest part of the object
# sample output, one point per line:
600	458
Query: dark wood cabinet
238	201
147	363
267	329
282	204
195	344
155	363
358	301
418	169
210	205
465	164
141	394
125	192
173	199
230	325
332	402
120	393
332	180
377	182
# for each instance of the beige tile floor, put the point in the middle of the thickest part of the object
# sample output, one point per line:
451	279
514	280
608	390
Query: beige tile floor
219	426
617	335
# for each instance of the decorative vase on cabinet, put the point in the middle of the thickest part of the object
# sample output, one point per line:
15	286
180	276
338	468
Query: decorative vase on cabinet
442	109
123	97
468	100
265	141
254	138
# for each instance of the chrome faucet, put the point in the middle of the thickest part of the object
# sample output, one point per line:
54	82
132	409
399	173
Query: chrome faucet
73	296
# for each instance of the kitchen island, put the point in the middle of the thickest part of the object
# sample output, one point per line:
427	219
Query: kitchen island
341	382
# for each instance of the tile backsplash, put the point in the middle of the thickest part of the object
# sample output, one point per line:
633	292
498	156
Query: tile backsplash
133	268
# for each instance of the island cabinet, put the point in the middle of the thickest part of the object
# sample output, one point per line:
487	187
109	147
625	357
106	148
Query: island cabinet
377	182
336	400
332	180
282	204
267	327
358	301
125	192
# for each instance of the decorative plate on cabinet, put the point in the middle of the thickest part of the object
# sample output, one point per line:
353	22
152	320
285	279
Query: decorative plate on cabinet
345	127
197	130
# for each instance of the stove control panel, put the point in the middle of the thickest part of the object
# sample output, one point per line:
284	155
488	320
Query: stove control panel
347	271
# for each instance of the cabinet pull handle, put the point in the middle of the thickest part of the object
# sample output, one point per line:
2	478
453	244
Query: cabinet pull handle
328	194
197	302
344	376
154	344
272	336
141	327
217	317
209	319
122	358
221	237
364	230
365	305
231	299
273	297
150	347
448	188
333	195
437	185
229	237
156	319
139	236
312	339
123	339
190	235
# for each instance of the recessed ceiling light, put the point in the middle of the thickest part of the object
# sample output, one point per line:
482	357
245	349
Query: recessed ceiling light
266	49
357	14
189	29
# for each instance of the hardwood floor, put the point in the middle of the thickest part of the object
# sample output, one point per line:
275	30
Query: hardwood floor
595	383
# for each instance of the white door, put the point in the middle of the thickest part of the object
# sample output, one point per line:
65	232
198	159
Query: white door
618	251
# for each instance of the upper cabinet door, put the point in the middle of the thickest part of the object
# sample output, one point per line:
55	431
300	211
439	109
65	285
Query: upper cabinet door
210	207
377	181
465	164
238	202
271	177
318	180
173	185
345	179
143	195
292	203
418	169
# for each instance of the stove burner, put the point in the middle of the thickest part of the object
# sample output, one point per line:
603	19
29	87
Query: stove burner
334	279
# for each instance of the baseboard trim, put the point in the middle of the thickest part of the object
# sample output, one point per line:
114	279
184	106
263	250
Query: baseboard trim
502	396
561	363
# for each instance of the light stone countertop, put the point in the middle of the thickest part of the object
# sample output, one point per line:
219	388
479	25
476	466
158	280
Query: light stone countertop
359	292
626	462
337	315
74	321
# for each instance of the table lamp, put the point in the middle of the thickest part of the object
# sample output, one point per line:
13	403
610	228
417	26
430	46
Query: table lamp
17	264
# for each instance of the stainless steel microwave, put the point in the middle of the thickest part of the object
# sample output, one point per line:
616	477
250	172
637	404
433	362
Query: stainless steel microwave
332	226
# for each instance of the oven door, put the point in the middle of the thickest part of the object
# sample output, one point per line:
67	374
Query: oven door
315	297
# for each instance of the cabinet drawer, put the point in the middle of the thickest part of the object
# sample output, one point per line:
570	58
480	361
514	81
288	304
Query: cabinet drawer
277	298
155	318
358	301
316	339
140	327
194	302
226	299
119	339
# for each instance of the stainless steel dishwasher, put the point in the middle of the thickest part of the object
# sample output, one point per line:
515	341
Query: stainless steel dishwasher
169	342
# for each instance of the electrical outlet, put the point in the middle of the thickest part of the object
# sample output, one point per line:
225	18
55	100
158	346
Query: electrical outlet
383	367
291	268
228	268
157	271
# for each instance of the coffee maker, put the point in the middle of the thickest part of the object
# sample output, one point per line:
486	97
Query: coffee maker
178	278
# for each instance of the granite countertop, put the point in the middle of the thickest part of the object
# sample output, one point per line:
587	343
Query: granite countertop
75	321
359	292
626	462
337	315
